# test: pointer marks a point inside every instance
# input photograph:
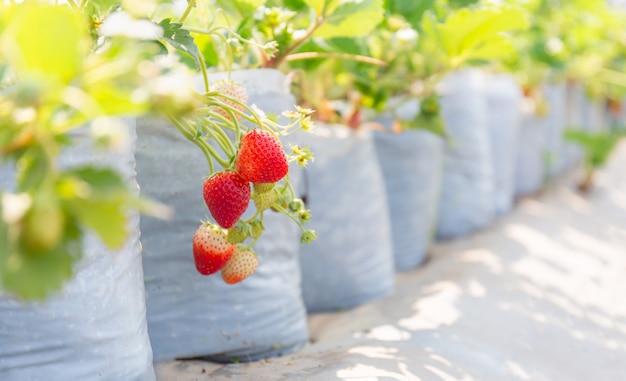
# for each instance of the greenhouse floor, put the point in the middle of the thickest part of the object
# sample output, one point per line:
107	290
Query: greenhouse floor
540	295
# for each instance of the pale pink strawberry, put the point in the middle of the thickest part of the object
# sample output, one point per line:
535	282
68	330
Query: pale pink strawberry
233	90
242	264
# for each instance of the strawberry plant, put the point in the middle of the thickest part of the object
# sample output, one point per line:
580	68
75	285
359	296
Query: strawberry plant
97	62
50	90
598	147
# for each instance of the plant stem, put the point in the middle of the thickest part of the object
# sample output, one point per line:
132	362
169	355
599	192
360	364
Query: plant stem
587	182
187	11
221	139
208	151
293	218
342	56
276	61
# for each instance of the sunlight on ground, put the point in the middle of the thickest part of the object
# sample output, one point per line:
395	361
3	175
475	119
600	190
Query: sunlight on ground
435	310
388	333
375	352
363	372
484	257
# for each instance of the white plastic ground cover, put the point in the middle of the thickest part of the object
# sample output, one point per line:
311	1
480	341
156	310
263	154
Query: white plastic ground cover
555	95
504	117
467	195
352	260
412	167
95	328
190	315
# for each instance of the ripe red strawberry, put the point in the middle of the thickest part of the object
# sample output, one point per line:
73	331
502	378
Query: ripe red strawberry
261	158
211	250
227	196
242	264
232	90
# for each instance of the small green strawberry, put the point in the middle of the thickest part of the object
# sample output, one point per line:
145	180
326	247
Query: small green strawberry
296	205
264	201
241	265
262	187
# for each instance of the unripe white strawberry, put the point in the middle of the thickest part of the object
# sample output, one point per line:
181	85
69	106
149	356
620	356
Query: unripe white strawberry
241	265
233	90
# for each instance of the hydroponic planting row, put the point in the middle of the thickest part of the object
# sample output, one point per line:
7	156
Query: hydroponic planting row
291	157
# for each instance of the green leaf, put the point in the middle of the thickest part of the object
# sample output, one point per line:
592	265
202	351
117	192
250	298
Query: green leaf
461	3
36	275
474	34
33	167
104	6
98	199
207	48
412	11
106	218
598	146
352	18
318	5
432	123
103	182
296	5
242	8
180	39
54	52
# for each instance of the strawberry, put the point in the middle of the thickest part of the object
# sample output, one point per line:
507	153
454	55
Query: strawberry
232	90
227	196
264	201
261	158
262	187
242	264
211	250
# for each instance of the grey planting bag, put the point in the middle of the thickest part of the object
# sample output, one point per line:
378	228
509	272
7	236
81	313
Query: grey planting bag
412	167
592	114
190	315
95	328
504	117
352	260
530	167
555	94
574	98
467	195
